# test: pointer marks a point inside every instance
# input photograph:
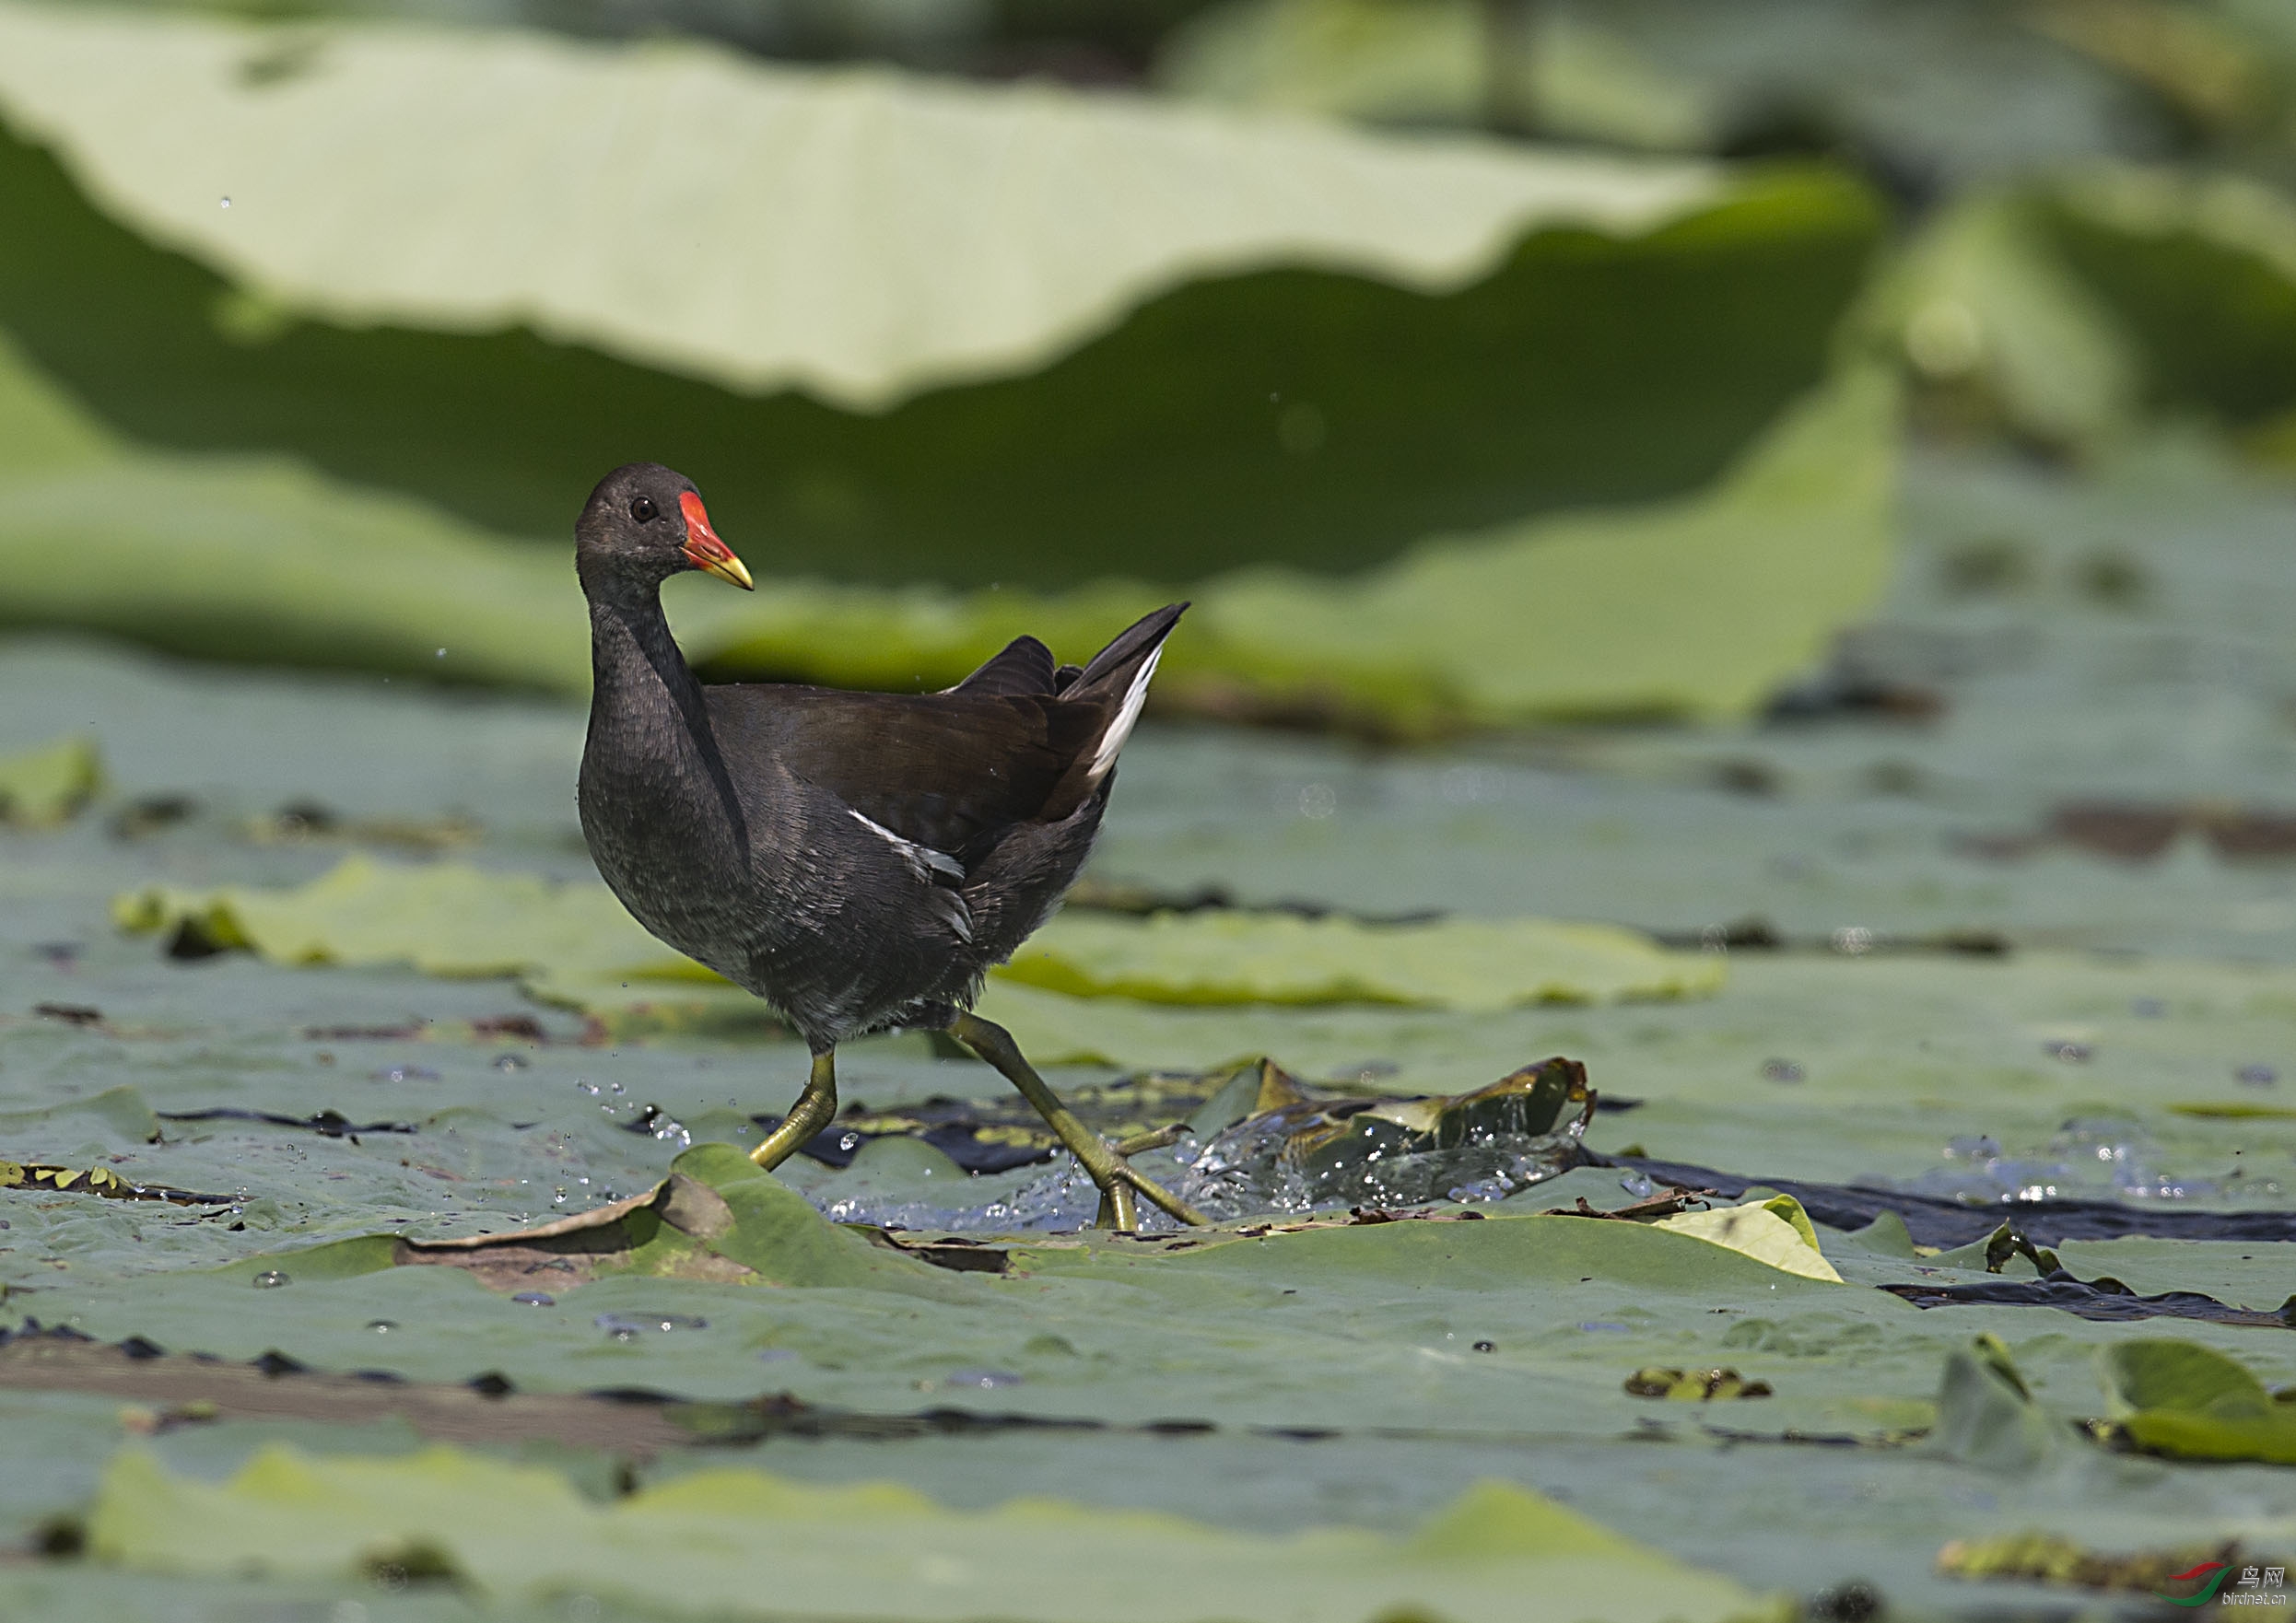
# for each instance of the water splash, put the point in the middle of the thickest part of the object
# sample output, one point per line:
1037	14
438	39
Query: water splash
2087	1159
1293	1155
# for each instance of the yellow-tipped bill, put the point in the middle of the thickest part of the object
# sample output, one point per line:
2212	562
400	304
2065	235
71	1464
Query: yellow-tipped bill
705	551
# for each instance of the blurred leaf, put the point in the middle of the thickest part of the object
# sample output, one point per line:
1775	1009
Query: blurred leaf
1982	303
2180	1398
1220	957
1986	1413
2200	270
1438	62
1091	329
734	1542
2047	1558
286	158
48	786
574	943
1760	1232
1698	608
444	918
1934	94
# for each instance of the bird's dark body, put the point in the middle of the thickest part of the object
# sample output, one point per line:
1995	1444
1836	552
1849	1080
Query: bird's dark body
857	860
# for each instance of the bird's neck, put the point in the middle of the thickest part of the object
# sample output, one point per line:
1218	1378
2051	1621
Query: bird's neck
635	662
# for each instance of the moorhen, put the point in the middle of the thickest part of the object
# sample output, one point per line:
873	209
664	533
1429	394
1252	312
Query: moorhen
856	859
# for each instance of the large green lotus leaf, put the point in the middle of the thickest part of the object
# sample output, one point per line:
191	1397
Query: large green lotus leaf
742	1543
1385	340
2181	1398
258	560
306	183
1469	965
1699	609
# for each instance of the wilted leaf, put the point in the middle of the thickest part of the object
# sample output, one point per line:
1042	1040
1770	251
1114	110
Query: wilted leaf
2048	1557
1761	1232
48	786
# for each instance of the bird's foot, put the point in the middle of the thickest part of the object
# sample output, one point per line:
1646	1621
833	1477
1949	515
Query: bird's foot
1103	1163
815	1108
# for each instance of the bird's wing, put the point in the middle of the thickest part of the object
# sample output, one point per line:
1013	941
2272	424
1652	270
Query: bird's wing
1024	666
950	772
946	772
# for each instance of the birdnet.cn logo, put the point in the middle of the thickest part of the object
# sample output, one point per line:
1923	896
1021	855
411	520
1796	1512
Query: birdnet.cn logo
2255	1586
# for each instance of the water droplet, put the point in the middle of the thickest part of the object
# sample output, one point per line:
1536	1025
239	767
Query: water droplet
226	202
2258	1076
382	1327
1486	1347
2071	1052
630	1327
269	1280
1318	801
982	1378
536	1299
1782	1070
405	1073
439	655
512	1062
1853	940
589	1088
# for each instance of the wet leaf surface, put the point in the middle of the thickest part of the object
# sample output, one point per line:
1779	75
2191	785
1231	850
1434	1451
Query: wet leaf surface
2107	1086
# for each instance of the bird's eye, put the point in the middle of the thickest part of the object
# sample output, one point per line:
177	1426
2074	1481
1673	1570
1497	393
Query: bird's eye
643	509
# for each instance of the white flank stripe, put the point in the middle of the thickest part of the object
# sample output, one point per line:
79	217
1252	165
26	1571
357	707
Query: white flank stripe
1121	728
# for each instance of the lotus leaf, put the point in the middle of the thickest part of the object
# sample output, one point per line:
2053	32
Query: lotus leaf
1468	964
327	207
2180	1398
740	1542
573	942
1760	1232
48	786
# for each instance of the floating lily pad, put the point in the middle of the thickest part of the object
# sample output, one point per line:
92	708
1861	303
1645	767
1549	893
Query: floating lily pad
1468	964
740	1542
46	786
2180	1398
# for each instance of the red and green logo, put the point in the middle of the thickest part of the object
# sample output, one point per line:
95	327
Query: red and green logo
2211	1575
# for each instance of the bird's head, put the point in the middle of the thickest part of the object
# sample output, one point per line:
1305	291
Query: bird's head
645	524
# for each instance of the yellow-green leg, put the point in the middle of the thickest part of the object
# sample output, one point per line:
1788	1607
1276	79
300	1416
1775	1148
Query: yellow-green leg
815	1108
1110	1174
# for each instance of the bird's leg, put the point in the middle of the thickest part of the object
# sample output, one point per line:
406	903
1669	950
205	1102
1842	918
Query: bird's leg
815	1108
1110	1174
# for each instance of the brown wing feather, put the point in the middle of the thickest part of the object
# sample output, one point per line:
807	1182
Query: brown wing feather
1023	666
952	771
945	770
